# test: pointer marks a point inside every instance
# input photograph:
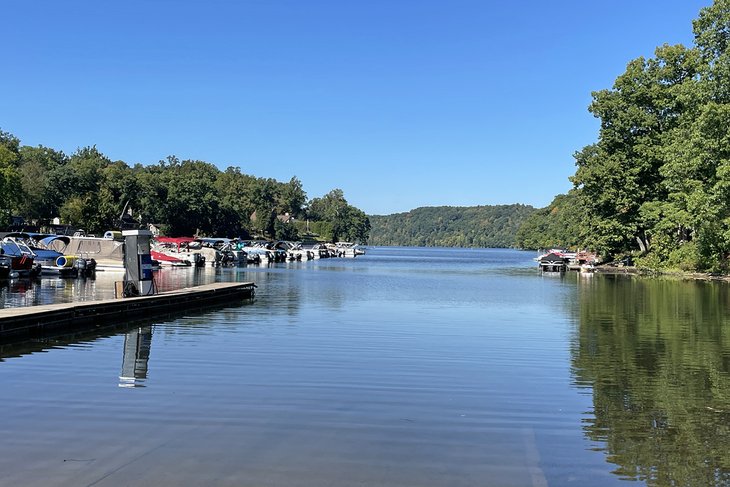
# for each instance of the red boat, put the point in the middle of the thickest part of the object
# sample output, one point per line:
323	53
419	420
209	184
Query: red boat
180	250
168	260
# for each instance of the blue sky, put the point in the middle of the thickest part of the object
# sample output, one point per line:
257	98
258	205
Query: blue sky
400	103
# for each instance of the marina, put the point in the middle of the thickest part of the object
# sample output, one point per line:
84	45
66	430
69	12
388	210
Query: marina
179	308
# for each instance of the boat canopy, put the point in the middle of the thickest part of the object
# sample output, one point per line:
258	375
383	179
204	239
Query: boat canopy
49	240
175	240
20	235
14	248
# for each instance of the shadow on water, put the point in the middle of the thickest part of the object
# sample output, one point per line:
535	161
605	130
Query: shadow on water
657	356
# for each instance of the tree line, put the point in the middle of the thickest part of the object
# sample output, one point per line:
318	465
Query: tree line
185	197
657	181
451	226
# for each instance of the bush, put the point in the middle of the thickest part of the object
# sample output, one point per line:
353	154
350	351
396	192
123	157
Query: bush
685	257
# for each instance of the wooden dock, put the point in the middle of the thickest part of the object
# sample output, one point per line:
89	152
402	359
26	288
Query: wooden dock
39	321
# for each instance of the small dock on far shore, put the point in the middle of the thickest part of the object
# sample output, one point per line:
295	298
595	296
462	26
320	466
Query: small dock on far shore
39	321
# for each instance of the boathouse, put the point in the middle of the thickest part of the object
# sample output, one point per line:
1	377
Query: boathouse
553	262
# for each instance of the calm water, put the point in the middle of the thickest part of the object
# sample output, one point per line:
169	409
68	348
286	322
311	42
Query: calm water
404	367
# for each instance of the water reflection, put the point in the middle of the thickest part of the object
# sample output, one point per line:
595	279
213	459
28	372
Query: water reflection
657	355
137	344
40	345
48	290
17	292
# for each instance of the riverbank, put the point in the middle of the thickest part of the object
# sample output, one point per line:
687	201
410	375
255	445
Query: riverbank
645	271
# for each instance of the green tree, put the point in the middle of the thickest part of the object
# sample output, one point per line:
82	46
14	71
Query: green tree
345	222
78	184
559	225
119	188
658	178
265	196
10	193
192	200
285	231
37	166
235	191
622	171
81	211
152	196
292	198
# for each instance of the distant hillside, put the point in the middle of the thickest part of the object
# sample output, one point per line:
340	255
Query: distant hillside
450	226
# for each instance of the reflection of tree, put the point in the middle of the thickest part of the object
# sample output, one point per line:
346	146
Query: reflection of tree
657	354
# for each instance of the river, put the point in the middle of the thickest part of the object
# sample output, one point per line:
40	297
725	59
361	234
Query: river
402	367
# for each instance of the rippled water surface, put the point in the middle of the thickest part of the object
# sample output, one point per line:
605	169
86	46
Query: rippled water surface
403	367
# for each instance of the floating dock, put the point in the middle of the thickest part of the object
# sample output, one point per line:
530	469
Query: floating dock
39	321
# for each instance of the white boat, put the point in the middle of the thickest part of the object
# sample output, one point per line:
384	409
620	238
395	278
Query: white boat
53	262
348	249
107	253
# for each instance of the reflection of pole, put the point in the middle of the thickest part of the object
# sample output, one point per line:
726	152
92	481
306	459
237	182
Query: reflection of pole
137	345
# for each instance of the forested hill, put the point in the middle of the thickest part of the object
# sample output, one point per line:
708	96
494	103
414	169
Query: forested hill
450	226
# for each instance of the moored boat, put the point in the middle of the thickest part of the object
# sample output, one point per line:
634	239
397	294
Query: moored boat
107	253
348	249
166	260
181	248
51	262
18	259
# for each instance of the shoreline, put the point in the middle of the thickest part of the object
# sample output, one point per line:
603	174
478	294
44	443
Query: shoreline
647	272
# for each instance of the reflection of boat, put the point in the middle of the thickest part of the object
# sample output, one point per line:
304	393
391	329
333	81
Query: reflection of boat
5	266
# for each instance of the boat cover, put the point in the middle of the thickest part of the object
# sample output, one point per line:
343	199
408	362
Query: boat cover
175	240
48	240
